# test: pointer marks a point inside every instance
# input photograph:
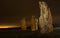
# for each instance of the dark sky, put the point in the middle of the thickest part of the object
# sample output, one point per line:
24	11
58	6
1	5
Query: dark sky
11	10
55	9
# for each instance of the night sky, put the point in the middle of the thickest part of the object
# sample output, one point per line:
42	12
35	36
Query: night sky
12	10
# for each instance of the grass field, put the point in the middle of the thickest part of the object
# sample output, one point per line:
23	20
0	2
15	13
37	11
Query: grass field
18	33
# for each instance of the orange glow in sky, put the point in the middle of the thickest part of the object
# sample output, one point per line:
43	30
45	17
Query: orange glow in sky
8	26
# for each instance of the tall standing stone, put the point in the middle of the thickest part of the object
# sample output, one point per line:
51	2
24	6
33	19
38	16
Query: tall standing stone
45	19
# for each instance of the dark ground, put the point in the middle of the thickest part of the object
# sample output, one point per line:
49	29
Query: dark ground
18	33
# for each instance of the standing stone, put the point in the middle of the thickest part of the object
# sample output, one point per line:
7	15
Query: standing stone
45	19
